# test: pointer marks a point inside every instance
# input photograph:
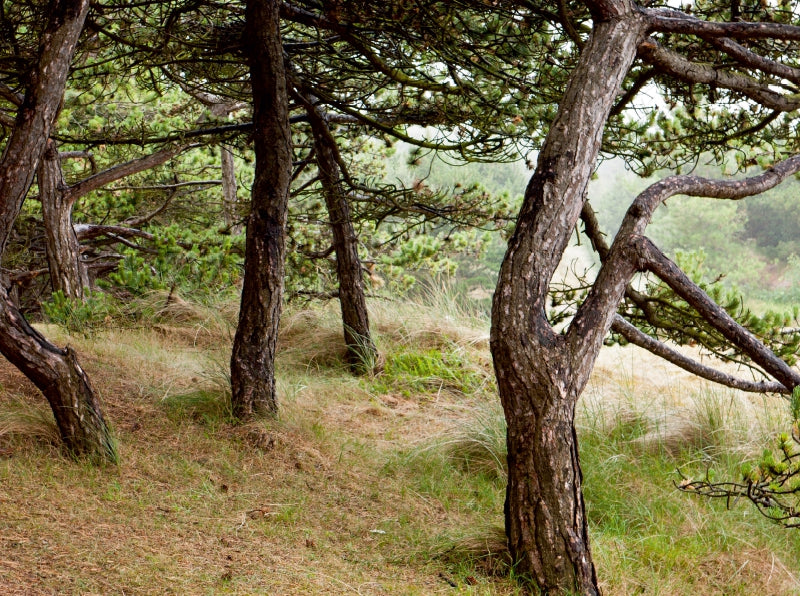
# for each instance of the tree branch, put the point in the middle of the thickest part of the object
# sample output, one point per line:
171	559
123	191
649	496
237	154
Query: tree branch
10	95
750	59
74	192
673	21
680	67
652	259
631	252
652	345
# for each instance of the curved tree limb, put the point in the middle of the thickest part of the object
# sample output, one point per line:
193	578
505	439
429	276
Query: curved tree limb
639	338
631	252
673	63
652	259
74	192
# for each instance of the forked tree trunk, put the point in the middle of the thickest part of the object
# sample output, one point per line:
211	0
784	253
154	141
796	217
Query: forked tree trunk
253	357
362	354
54	371
541	373
68	273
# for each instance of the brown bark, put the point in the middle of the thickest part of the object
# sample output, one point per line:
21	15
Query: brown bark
229	199
540	373
253	357
68	273
54	371
361	351
59	376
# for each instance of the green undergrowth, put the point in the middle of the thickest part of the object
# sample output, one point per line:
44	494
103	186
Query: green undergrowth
411	371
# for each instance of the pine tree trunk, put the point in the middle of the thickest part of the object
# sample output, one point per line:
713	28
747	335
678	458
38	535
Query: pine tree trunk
54	371
57	374
253	358
541	372
361	351
229	199
68	273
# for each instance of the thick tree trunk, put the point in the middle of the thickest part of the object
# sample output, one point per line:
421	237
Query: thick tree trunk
541	373
54	371
229	199
68	274
253	358
361	351
57	374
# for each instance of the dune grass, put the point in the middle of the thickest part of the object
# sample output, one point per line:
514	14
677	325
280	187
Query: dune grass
385	484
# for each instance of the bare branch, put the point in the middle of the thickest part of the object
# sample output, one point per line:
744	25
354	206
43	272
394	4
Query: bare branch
672	21
652	345
89	231
121	171
10	95
173	186
750	59
654	260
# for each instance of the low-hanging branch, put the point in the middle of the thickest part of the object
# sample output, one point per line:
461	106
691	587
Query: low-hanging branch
118	234
639	338
654	260
772	484
632	252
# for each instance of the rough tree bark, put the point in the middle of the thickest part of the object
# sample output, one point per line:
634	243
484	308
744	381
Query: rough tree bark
229	199
68	273
253	357
361	351
540	373
54	371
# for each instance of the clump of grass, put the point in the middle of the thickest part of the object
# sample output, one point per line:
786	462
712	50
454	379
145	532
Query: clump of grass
478	445
207	407
409	370
20	419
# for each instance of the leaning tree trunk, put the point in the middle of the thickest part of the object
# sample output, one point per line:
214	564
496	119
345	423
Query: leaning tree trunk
361	351
540	373
54	371
68	273
59	376
253	358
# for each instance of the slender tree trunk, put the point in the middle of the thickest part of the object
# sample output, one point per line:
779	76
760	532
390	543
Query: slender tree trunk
55	372
541	373
229	199
68	273
253	358
361	351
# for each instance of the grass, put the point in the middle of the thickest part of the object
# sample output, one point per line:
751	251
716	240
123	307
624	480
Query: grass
390	484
